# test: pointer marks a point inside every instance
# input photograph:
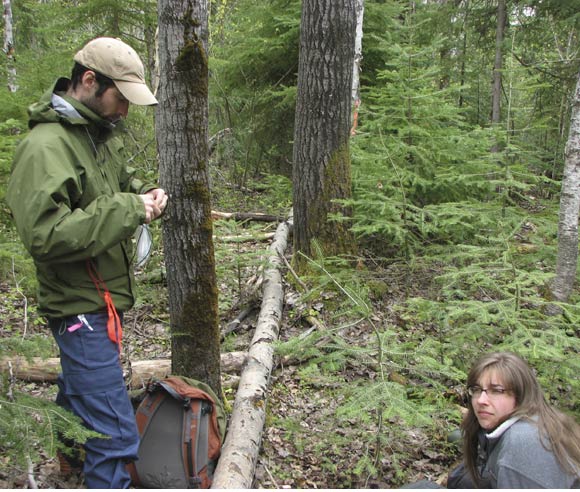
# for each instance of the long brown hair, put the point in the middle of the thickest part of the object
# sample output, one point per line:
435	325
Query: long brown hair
559	432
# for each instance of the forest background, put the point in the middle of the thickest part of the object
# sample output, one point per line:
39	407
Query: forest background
456	219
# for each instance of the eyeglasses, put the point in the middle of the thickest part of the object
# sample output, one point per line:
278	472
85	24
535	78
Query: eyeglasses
493	392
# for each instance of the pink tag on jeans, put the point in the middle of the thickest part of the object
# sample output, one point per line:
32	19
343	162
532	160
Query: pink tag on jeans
72	328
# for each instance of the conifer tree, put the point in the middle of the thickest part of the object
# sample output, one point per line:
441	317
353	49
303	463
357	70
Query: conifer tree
417	163
254	67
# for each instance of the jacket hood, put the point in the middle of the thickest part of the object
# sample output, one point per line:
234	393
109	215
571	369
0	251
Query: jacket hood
56	107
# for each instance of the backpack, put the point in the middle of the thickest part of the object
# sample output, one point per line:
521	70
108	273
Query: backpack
182	427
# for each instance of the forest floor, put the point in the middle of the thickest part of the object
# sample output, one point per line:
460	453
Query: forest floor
305	444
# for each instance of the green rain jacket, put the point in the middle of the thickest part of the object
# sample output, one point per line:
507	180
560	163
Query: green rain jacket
73	201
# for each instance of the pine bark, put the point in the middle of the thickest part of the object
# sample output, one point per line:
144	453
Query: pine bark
182	138
321	168
567	261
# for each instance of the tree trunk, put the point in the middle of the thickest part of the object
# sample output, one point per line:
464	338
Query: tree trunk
182	137
360	9
498	62
235	469
569	209
463	54
9	46
321	168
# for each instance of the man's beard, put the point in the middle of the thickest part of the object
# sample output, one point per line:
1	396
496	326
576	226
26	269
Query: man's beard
94	103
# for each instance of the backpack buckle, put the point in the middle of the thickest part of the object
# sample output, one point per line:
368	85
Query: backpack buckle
194	482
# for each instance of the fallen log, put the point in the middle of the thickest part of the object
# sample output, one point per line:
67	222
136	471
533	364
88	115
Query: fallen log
237	463
142	371
245	238
46	370
240	216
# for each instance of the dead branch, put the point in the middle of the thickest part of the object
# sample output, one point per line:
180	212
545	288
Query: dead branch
240	451
245	238
241	216
11	381
30	474
215	139
234	324
252	294
294	274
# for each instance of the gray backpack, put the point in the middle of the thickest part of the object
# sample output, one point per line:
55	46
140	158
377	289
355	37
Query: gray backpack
182	426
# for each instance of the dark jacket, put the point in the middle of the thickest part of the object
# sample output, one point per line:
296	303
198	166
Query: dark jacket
74	200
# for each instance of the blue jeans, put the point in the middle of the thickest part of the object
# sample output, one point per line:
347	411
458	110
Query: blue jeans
91	386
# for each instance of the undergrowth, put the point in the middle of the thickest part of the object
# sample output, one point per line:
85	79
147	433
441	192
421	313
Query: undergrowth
30	427
436	311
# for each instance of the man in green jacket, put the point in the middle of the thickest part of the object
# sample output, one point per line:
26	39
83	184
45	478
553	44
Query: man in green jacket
76	207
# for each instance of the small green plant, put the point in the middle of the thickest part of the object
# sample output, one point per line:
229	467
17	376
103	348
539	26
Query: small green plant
30	428
235	262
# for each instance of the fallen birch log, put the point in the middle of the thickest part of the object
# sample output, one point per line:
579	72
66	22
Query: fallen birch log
46	370
240	216
245	238
237	463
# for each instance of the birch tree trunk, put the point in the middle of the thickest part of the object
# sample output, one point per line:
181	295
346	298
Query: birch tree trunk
182	138
9	46
321	167
360	9
567	261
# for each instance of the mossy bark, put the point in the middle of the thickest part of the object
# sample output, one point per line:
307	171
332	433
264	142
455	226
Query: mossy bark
182	138
321	173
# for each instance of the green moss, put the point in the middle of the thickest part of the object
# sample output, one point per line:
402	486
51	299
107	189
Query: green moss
197	190
334	237
191	62
196	339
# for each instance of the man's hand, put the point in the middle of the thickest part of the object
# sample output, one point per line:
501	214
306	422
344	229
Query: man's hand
155	202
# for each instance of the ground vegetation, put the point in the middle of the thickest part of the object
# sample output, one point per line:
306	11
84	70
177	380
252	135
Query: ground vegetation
457	245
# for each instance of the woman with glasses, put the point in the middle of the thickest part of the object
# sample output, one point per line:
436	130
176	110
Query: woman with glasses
512	437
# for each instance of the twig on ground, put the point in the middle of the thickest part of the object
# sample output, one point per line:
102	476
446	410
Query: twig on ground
11	383
271	477
17	284
235	324
30	475
294	274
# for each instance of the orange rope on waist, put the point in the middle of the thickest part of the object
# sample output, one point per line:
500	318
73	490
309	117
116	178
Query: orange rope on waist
114	327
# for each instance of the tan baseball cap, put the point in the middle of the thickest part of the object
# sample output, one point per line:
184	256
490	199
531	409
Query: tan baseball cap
118	61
